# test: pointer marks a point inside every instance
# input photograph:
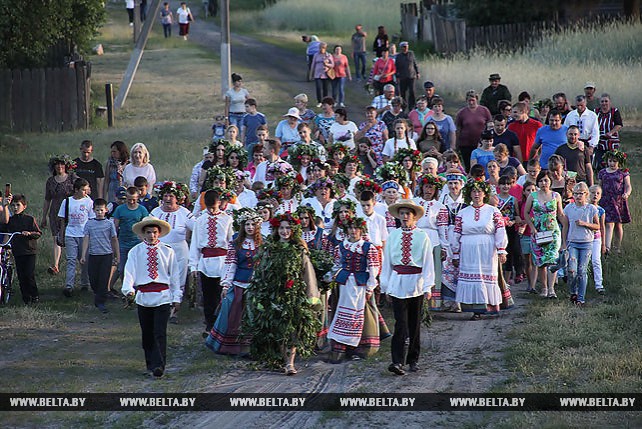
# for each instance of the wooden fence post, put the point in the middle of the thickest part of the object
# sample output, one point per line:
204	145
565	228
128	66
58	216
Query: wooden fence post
109	94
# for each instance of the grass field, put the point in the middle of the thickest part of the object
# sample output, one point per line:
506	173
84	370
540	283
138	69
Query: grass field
66	345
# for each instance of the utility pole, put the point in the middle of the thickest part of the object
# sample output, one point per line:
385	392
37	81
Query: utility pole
225	46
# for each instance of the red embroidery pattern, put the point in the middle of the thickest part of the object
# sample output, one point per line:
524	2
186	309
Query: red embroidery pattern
442	217
211	231
406	247
458	224
152	262
498	219
477	213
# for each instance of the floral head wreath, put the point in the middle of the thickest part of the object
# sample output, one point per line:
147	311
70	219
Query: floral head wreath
296	152
303	211
263	204
169	187
391	171
244	215
617	155
316	162
240	152
352	221
224	194
292	218
279	167
341	179
429	179
267	194
70	164
213	145
336	207
367	185
479	184
219	173
324	182
287	182
413	154
350	158
338	147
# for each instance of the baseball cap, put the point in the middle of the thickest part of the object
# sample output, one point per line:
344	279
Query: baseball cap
403	44
589	84
428	84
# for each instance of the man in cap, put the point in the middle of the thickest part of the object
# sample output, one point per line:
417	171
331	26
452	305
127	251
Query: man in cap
359	51
429	92
592	102
152	281
493	93
407	277
407	72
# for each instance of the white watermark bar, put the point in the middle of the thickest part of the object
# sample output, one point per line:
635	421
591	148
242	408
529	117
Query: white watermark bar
319	402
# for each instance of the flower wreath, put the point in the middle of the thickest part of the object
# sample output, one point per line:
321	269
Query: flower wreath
303	211
338	147
226	143
350	158
296	152
268	194
413	154
292	218
287	182
351	205
429	179
324	182
243	215
352	221
240	152
224	194
392	170
316	162
341	179
367	185
218	172
70	164
279	167
479	184
618	156
169	187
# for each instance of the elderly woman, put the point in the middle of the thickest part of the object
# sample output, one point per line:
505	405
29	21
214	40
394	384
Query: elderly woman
118	159
434	221
139	166
59	186
235	98
301	103
322	71
470	122
479	245
375	130
420	115
287	129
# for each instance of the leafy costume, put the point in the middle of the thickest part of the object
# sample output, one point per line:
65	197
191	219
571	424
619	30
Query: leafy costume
282	303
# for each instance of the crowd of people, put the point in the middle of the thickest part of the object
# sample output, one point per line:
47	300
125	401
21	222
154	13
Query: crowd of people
297	240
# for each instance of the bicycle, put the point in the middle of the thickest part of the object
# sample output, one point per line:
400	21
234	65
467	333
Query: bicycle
6	269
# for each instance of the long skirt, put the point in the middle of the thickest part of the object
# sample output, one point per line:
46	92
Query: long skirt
225	337
477	287
436	300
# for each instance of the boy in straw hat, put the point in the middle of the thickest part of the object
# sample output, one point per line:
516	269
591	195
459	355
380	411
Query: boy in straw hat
407	277
152	276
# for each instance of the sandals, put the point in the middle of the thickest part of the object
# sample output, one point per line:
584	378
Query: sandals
544	293
53	270
531	290
290	369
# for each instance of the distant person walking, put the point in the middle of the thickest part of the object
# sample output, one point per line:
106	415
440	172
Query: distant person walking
407	73
167	19
184	18
359	51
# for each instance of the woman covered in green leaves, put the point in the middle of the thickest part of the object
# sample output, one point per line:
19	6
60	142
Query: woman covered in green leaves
282	306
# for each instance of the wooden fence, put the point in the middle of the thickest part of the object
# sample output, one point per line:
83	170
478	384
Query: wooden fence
45	100
507	36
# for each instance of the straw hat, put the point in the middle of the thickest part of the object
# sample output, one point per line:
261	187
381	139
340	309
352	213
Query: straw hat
151	220
406	204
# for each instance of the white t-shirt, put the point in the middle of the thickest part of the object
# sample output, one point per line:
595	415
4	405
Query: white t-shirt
237	99
182	15
130	173
390	150
80	211
129	4
346	130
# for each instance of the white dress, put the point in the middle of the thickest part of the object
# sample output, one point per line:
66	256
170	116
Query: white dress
181	221
479	236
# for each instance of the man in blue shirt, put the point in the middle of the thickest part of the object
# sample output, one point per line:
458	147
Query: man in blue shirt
549	138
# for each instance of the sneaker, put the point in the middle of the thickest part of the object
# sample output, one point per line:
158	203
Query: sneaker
342	105
34	300
600	291
68	291
318	104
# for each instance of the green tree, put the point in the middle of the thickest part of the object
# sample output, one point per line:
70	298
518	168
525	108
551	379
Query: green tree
37	33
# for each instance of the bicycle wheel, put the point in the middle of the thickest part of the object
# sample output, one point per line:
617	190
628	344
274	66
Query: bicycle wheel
6	286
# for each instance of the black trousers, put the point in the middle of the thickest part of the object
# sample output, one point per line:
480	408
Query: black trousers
465	153
153	324
514	259
26	270
407	329
99	270
211	287
407	91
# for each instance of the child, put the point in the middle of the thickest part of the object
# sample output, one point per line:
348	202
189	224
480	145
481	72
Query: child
121	198
101	243
166	19
257	158
595	193
525	238
399	141
390	195
507	205
218	128
76	211
583	221
485	153
266	211
451	161
532	170
616	185
211	236
23	246
366	155
151	275
250	123
125	216
145	198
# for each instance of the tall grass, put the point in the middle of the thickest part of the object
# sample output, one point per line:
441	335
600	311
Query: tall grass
329	16
610	55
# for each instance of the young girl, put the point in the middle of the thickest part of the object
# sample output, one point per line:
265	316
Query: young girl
525	238
485	153
599	247
532	170
285	295
451	161
231	135
225	337
507	205
492	171
583	221
616	185
289	194
310	232
367	157
390	195
300	156
410	160
399	141
265	210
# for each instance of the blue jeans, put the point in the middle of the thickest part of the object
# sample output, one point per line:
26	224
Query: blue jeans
236	119
579	258
338	86
360	64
